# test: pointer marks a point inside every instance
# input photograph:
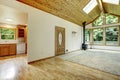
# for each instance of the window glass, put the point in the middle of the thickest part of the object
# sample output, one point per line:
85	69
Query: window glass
87	36
112	35
98	21
7	33
98	36
111	19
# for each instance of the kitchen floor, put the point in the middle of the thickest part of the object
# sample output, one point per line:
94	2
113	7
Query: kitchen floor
55	68
13	56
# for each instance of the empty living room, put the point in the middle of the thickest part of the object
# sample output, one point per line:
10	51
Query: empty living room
59	39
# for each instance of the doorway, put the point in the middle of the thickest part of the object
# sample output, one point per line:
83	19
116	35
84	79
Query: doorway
59	40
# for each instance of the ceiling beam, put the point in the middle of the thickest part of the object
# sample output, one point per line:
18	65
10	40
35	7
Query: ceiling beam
100	4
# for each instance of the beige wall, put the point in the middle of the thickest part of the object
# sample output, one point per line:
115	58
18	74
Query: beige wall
41	31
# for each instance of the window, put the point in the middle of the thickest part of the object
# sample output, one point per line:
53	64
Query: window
111	19
112	1
104	35
112	35
98	36
99	21
90	6
87	35
7	33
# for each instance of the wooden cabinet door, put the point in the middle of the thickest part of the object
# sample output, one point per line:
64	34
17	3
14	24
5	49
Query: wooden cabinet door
12	49
4	51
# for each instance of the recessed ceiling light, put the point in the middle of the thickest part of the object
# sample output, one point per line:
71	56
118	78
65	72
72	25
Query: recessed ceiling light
90	6
112	1
8	19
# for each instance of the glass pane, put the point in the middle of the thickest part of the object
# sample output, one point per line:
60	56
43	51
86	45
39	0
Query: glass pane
99	21
98	36
7	36
112	35
7	33
111	19
87	36
0	30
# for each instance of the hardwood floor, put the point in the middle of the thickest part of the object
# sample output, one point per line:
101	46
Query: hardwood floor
13	56
49	69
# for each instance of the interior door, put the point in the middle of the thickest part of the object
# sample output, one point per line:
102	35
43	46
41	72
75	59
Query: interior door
59	40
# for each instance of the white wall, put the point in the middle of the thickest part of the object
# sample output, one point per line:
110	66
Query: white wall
41	31
16	17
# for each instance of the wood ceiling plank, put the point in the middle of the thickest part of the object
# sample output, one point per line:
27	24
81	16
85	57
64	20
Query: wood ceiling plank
111	8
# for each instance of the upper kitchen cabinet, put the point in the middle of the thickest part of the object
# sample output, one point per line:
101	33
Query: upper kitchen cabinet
22	32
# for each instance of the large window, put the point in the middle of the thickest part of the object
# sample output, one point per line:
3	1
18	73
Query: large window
104	35
112	35
7	33
87	35
98	36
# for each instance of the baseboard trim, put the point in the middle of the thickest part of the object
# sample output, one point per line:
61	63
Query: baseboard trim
40	60
105	49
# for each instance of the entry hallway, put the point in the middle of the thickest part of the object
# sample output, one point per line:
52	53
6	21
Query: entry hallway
55	68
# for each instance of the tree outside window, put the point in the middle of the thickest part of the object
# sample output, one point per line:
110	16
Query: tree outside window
98	21
87	36
112	35
111	19
98	36
7	33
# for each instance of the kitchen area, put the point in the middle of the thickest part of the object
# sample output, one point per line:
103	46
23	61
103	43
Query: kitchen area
13	32
13	44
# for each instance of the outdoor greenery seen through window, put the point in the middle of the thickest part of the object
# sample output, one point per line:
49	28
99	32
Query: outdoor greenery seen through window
7	33
112	35
98	36
87	35
109	19
99	21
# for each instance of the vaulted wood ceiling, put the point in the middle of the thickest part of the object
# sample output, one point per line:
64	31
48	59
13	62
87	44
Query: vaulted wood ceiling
72	10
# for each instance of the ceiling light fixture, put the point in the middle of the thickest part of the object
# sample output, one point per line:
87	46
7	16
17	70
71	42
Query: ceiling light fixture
8	19
112	1
89	7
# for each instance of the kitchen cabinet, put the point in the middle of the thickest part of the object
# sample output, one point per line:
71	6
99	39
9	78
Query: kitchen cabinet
21	32
7	49
12	48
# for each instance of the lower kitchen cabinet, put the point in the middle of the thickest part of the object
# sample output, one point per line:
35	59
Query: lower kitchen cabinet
7	49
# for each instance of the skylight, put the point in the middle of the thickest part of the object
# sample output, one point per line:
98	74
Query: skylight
112	1
89	7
